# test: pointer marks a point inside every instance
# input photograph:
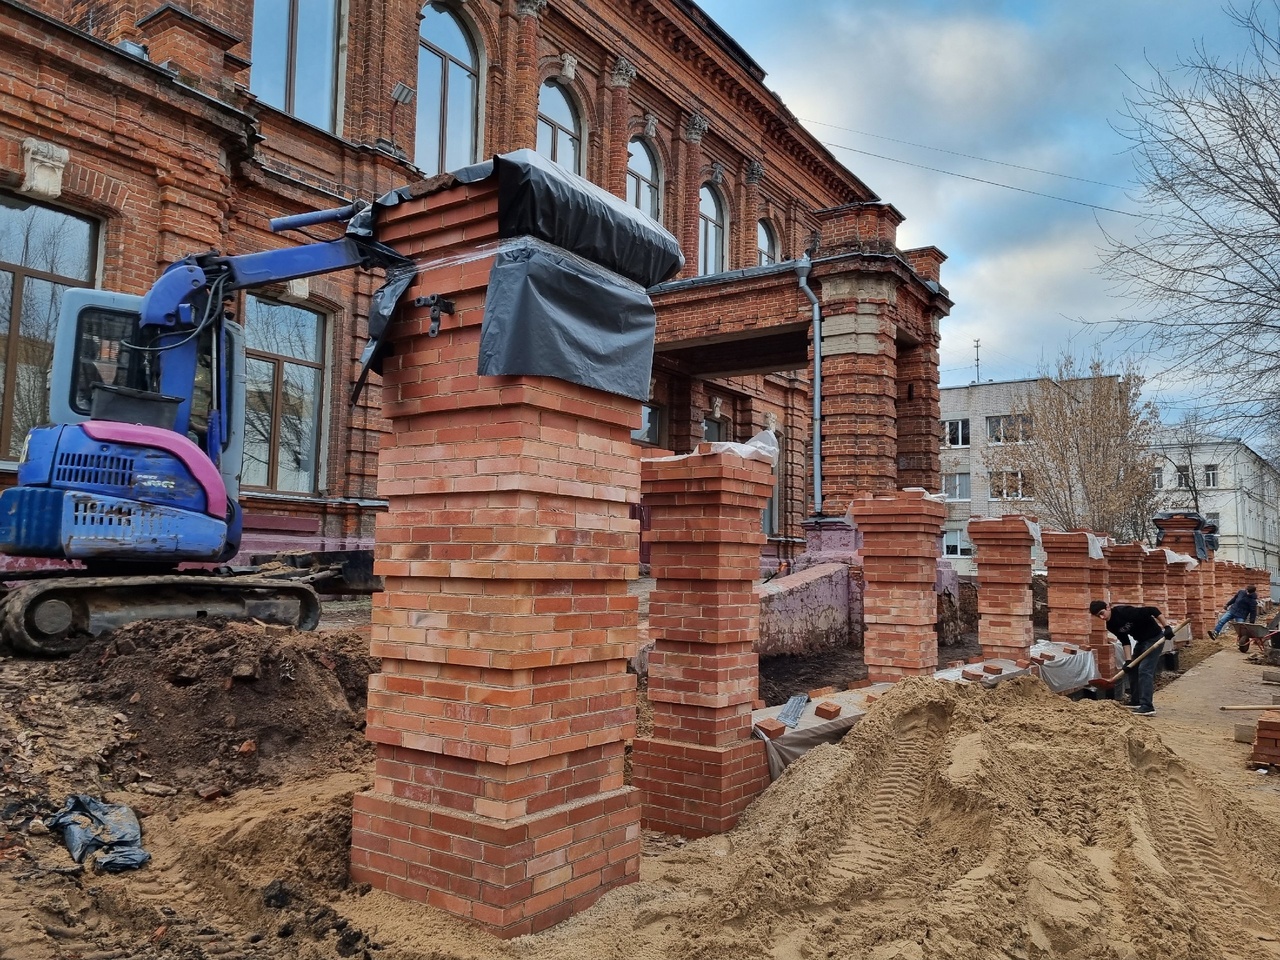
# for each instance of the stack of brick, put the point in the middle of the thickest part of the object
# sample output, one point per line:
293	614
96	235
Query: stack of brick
1155	579
1124	572
1002	552
900	545
503	704
1266	744
1077	576
702	767
1178	579
1178	532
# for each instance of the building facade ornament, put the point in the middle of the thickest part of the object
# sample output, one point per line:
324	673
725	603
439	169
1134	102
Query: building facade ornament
717	405
43	165
568	67
624	72
696	128
530	8
717	173
650	125
771	421
755	171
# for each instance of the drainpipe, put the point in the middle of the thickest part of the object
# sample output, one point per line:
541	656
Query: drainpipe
802	271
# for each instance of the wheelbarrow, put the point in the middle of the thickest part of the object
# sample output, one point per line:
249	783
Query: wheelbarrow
1258	635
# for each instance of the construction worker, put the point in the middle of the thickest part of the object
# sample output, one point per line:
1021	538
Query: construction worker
1243	606
1139	628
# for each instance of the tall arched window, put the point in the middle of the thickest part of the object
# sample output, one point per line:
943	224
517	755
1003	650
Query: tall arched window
766	243
559	133
710	231
448	94
642	178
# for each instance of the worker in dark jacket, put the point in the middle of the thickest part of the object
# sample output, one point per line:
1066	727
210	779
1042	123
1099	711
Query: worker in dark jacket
1243	606
1139	628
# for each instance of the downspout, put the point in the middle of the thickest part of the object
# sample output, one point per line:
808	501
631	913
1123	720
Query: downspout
803	267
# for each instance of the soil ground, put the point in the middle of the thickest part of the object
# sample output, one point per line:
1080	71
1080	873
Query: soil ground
952	822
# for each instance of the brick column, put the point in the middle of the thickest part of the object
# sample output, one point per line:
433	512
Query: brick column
1002	553
691	180
919	416
900	541
522	96
701	767
619	142
1077	576
1124	572
748	250
503	704
1155	579
1178	533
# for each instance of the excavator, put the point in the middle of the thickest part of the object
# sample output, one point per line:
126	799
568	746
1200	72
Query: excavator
136	477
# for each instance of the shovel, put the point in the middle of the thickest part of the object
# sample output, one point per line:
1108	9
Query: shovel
1108	683
1253	706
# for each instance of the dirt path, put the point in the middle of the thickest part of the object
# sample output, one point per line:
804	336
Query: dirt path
954	822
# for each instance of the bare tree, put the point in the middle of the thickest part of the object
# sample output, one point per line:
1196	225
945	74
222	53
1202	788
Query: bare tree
1087	464
1206	265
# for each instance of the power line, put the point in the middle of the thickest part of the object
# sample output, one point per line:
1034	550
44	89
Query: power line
990	183
967	156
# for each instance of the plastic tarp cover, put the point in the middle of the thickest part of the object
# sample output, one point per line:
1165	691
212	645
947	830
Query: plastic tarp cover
550	313
90	825
1069	672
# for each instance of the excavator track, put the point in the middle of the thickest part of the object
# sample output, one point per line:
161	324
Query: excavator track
58	617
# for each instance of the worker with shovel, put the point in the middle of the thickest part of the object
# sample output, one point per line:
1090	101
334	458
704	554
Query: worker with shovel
1139	628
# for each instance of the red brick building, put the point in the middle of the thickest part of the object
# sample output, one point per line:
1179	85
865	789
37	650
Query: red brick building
134	132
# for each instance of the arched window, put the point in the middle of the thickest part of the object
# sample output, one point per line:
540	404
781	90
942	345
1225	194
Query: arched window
448	94
295	58
766	243
710	231
559	133
642	178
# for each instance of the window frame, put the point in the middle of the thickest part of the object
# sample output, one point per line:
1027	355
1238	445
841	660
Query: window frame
1211	476
768	253
655	417
1002	427
291	61
968	484
712	228
963	545
636	179
447	59
278	361
1184	477
576	135
962	428
12	341
1157	478
1023	491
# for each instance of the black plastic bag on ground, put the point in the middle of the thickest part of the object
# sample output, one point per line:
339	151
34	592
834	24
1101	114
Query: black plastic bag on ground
90	825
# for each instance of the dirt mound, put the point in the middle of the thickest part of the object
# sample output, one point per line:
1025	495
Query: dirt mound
218	706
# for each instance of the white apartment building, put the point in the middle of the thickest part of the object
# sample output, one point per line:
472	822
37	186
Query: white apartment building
1220	477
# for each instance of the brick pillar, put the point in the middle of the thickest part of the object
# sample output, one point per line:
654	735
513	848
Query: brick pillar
1178	533
900	541
522	95
748	250
701	767
503	704
1178	577
1155	579
691	180
619	142
1077	576
1124	572
919	416
1002	553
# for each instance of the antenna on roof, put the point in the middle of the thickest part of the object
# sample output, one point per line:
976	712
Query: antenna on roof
977	363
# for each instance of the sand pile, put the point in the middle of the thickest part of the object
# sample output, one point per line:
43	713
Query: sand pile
953	822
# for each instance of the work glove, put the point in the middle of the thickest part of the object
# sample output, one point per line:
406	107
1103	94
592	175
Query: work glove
1168	633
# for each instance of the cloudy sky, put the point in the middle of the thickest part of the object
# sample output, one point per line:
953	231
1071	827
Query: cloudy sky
986	89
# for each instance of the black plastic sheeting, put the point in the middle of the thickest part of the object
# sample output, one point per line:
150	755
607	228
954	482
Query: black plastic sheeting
578	313
90	825
549	313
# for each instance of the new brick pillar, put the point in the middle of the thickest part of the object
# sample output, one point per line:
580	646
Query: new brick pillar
1124	572
1077	576
1155	579
1178	577
1178	533
1229	581
503	703
701	767
900	541
1002	553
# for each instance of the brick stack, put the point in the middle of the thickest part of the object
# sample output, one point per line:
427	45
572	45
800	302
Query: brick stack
1177	578
1266	744
1155	579
1124	572
1077	576
1178	530
702	767
1002	551
503	704
900	544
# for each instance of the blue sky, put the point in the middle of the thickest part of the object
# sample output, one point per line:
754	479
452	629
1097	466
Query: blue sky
1030	84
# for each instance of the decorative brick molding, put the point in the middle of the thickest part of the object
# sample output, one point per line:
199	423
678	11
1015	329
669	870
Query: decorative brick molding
1002	552
901	534
43	165
701	767
503	704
